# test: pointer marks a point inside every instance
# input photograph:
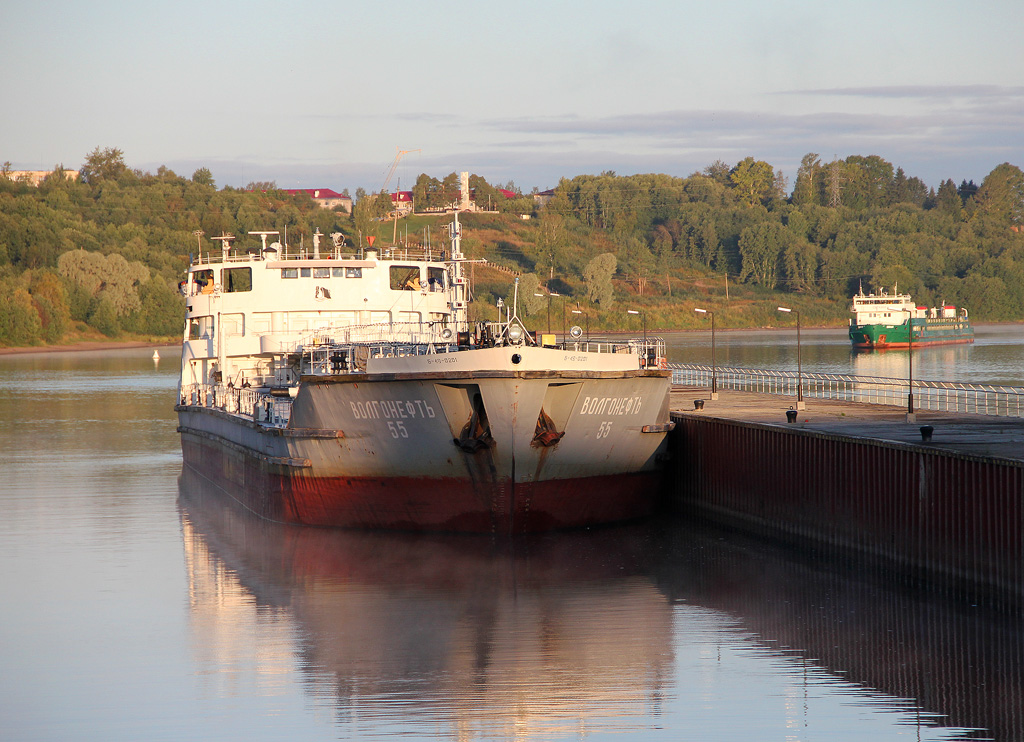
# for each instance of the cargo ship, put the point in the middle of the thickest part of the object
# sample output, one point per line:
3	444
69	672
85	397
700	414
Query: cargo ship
334	387
884	320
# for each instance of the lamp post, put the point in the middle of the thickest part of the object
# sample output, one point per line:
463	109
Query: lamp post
799	365
643	317
911	417
549	309
548	294
714	379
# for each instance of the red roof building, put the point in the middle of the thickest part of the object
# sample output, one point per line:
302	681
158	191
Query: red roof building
325	197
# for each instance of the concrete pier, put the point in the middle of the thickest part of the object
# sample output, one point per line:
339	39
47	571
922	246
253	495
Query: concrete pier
985	435
859	477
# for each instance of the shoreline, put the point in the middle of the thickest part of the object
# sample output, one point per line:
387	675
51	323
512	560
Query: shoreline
84	346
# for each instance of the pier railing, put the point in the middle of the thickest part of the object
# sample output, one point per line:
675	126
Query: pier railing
938	396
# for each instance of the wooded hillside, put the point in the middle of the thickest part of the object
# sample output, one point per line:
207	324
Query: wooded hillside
104	253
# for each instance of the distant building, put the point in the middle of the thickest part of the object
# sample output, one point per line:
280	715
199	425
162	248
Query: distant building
35	177
325	197
542	198
402	202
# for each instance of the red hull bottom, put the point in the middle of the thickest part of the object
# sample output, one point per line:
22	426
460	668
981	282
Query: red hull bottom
422	504
917	344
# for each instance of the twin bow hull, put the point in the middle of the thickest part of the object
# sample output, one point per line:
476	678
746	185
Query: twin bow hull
502	452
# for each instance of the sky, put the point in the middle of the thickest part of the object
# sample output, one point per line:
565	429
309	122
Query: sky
326	94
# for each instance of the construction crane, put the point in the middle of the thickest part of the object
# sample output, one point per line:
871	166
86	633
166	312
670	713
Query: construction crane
394	165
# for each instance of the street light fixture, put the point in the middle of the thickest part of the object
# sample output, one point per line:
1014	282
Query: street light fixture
799	365
911	417
714	376
549	294
643	317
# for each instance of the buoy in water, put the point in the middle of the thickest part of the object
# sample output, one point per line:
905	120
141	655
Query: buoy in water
156	355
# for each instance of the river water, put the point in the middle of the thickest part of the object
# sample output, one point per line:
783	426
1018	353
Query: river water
996	357
136	605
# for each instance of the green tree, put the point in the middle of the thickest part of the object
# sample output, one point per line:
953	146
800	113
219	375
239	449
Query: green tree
203	176
1001	194
761	248
808	187
529	303
948	200
754	181
552	242
104	317
109	278
597	276
47	292
800	266
19	323
103	164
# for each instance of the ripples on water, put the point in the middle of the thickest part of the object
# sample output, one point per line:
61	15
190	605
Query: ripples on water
137	606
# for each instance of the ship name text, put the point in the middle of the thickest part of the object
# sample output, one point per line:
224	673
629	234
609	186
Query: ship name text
391	409
610	406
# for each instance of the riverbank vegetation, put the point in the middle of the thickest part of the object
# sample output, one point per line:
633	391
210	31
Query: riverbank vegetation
103	253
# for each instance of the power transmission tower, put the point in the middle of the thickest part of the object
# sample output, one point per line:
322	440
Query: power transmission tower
834	183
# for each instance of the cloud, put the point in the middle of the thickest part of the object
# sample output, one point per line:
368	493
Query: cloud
923	92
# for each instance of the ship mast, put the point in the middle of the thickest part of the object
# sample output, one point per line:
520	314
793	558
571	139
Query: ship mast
460	285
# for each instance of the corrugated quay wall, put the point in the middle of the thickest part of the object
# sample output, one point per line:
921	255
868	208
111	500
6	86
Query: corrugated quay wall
943	515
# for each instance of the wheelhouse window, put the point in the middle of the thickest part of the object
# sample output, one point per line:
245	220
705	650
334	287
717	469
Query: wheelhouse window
289	273
405	278
237	279
353	273
204	281
321	273
305	272
435	279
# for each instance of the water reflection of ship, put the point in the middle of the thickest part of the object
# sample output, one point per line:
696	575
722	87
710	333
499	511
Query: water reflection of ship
935	363
533	639
962	665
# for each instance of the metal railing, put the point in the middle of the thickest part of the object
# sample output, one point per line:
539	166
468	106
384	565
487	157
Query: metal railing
938	396
259	406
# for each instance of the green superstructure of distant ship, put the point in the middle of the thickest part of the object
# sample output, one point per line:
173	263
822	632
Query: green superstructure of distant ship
884	320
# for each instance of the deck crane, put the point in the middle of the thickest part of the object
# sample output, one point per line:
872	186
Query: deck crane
394	165
384	188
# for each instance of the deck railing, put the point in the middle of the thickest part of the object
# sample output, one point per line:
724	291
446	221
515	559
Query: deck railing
259	406
938	396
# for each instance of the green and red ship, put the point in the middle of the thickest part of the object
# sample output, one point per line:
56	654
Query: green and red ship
881	321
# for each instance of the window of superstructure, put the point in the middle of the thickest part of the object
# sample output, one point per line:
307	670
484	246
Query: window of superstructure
353	273
338	272
200	328
289	273
435	279
237	279
321	273
305	272
204	281
405	278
